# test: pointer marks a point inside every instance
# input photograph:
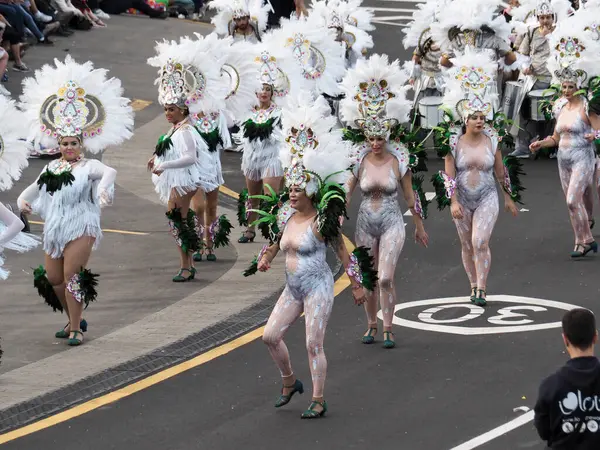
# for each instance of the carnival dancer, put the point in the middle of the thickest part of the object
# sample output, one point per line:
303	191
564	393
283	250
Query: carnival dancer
244	20
574	63
375	99
472	159
72	106
535	74
306	221
13	160
259	134
182	162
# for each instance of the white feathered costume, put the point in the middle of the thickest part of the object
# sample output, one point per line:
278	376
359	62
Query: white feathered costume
73	100
257	12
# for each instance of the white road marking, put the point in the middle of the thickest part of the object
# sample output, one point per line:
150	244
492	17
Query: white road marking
388	18
496	432
402	10
383	22
524	210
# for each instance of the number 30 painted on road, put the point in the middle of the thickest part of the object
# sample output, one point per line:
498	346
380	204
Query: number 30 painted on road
518	317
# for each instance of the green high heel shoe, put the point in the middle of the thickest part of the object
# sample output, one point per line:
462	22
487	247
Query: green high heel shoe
179	278
284	399
370	337
585	249
479	300
473	294
193	272
247	236
64	334
387	342
198	256
310	413
75	341
211	256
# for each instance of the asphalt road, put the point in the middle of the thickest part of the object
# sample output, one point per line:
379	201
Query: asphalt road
439	388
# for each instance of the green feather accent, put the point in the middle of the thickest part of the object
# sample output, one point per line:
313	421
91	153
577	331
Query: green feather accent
594	96
195	241
221	237
367	267
164	144
410	139
186	234
331	205
55	182
88	282
254	131
417	185
440	191
354	135
443	132
45	289
267	212
514	167
547	103
212	139
252	268
242	215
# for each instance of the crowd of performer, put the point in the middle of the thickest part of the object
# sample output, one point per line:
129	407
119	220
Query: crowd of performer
316	118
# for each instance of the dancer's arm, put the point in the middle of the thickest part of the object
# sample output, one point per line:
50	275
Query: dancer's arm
13	225
28	196
358	291
595	123
504	180
411	197
265	262
450	169
106	186
548	142
188	158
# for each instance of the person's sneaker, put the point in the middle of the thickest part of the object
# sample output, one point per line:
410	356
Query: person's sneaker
40	16
552	154
521	153
20	68
45	41
4	91
101	14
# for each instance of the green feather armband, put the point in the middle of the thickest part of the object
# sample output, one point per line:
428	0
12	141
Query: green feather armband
444	186
512	178
243	205
362	268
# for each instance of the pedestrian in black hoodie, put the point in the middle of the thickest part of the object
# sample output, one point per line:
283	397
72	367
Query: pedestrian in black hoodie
567	413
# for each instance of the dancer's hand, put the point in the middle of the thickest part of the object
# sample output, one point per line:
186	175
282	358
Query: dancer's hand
358	292
421	236
151	163
263	264
157	172
527	71
26	208
535	146
511	207
590	137
456	210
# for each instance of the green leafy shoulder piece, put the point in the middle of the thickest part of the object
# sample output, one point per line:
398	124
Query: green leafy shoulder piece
212	139
354	135
417	156
260	131
547	103
269	211
445	133
163	145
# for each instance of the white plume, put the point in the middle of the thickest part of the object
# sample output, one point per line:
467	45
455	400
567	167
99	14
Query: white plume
13	151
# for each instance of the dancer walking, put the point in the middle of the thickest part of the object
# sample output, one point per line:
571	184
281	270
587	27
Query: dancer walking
73	106
315	161
374	91
473	158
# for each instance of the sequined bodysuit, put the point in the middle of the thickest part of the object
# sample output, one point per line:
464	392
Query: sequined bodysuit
380	227
576	163
477	194
309	289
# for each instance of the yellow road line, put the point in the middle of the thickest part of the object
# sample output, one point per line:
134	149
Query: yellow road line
341	283
138	104
108	230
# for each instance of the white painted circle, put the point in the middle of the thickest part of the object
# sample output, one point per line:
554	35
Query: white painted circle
474	312
511	319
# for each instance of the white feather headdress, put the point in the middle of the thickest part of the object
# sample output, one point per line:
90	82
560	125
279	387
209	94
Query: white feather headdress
72	99
470	15
469	85
422	19
229	10
13	150
311	143
590	19
190	73
318	57
574	52
375	95
359	16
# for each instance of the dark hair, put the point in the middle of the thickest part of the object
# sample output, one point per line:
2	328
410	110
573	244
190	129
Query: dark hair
579	327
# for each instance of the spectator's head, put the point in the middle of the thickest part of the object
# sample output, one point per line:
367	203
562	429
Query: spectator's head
579	331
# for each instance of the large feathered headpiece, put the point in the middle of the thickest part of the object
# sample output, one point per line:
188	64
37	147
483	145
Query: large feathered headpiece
375	96
189	74
317	56
13	150
312	150
469	85
574	52
76	100
419	27
229	10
